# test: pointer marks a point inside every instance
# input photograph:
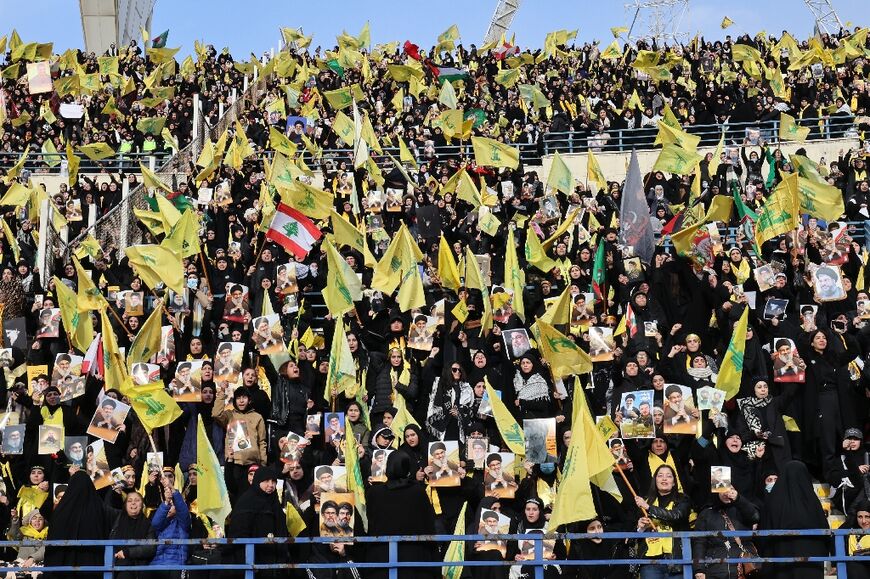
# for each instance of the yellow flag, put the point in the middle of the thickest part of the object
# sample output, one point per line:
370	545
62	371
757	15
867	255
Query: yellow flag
731	369
560	175
295	523
514	276
150	219
10	239
346	235
535	253
781	211
594	174
15	170
820	199
355	482
280	143
113	360
789	130
675	159
402	254
474	279
559	314
510	431
156	265
17	195
147	341
456	549
612	52
89	295
561	353
78	324
405	155
339	99
152	125
161	55
343	287
168	213
447	270
183	237
341	374
676	136
491	153
212	498
508	77
152	181
726	22
720	209
240	148
311	201
588	458
97	151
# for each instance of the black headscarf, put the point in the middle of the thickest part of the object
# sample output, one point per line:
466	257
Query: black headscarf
76	515
257	512
794	487
417	454
398	471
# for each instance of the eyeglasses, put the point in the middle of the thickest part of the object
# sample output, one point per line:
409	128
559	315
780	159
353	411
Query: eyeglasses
455	370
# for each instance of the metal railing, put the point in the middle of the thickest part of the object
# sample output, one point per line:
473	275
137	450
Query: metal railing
41	163
624	140
686	561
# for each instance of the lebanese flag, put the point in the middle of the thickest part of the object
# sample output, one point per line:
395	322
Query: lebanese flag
293	231
630	321
505	50
412	50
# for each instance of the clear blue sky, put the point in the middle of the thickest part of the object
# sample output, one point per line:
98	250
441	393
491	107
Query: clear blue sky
252	25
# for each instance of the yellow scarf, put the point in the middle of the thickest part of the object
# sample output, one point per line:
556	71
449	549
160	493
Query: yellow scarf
32	533
742	271
48	418
858	543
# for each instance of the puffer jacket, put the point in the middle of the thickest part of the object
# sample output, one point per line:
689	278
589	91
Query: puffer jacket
177	527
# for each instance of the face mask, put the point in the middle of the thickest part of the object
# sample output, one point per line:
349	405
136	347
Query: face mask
769	486
192	283
548	468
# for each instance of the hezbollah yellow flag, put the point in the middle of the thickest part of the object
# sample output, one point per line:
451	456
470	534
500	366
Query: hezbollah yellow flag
447	270
355	482
346	235
240	148
491	153
587	458
675	159
14	171
280	143
535	253
561	353
152	404
295	523
17	195
781	211
456	549
343	287
147	341
474	279
789	130
402	418
510	431
151	180
150	219
514	276
669	135
411	294
401	255
726	22
212	498
612	52
115	371
594	174
341	375
168	213
89	296
97	151
156	265
560	175
311	201
183	238
78	324
508	77
559	314
731	368
820	199
10	239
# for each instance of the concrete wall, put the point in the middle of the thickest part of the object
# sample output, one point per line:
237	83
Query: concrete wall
614	165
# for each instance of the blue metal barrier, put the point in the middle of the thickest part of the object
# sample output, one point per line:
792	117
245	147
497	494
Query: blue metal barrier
538	563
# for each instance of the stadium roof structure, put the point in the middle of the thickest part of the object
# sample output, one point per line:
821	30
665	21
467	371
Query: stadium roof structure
107	22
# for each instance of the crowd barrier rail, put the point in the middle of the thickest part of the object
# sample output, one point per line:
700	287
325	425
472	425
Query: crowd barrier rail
687	562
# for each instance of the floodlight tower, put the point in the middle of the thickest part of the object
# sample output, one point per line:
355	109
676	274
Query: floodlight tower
825	15
658	20
501	19
107	22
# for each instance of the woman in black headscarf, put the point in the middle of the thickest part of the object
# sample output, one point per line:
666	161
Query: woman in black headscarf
415	445
532	521
133	524
597	549
401	507
79	515
472	549
793	505
258	514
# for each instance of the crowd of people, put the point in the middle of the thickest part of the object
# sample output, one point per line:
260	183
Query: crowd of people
437	390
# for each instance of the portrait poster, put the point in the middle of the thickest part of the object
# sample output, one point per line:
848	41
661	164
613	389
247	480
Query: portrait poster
108	419
787	364
499	479
186	386
267	334
444	464
336	515
540	435
228	361
680	412
493	523
601	343
720	479
330	479
635	409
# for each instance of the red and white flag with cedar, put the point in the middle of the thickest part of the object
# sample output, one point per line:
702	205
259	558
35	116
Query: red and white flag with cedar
293	231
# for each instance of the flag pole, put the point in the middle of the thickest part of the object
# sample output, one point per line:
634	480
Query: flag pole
165	311
204	270
634	494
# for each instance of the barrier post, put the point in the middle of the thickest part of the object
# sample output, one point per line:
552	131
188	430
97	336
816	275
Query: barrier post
840	552
393	551
249	561
687	557
108	562
539	559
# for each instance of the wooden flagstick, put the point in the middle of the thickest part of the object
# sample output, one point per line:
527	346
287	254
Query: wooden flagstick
205	271
634	494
